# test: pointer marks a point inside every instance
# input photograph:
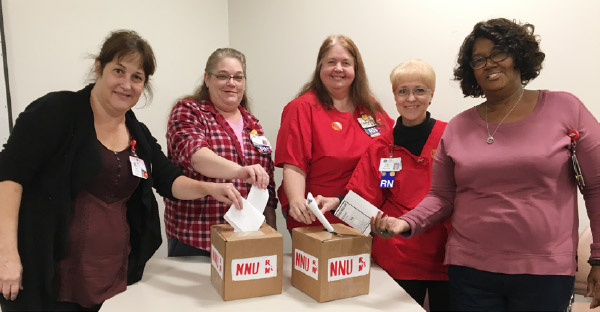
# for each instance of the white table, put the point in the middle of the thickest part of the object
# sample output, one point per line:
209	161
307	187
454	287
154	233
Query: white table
183	284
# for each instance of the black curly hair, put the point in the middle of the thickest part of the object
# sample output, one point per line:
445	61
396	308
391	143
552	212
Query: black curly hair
518	40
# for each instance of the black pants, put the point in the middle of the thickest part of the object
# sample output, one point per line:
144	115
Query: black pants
439	298
475	290
179	249
54	306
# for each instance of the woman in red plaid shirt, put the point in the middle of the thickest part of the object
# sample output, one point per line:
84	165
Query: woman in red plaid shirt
212	137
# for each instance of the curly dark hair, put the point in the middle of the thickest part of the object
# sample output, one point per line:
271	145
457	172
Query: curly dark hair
518	40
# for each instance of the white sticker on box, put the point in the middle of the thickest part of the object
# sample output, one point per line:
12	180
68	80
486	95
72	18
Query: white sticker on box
216	260
254	268
306	264
347	267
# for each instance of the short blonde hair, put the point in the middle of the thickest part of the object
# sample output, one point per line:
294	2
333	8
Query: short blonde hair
413	69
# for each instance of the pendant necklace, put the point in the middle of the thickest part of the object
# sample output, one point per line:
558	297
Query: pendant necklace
490	138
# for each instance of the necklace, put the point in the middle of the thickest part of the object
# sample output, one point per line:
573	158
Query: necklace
490	138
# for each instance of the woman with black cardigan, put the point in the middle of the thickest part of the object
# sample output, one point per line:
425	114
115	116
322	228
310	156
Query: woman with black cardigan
79	219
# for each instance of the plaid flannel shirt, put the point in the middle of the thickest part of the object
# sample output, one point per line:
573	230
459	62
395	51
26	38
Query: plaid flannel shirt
195	125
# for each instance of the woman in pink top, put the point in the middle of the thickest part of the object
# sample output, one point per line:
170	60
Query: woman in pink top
503	171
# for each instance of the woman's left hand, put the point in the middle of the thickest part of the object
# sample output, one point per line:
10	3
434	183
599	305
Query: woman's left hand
386	227
593	286
255	175
327	203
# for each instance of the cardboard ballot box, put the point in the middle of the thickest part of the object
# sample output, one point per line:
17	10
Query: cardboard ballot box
329	266
246	264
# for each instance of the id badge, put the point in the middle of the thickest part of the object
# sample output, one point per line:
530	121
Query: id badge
373	131
138	167
261	143
390	164
369	125
578	174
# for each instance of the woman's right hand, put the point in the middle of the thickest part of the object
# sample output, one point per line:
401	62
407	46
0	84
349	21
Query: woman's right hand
300	211
11	273
225	193
255	175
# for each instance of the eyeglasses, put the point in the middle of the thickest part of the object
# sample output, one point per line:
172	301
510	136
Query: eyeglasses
225	77
496	57
417	92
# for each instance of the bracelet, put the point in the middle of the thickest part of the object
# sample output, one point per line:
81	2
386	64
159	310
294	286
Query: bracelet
594	262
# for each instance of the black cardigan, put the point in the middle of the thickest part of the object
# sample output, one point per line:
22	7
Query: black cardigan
53	152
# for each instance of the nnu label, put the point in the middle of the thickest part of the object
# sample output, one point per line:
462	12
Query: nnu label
216	260
347	267
254	268
306	264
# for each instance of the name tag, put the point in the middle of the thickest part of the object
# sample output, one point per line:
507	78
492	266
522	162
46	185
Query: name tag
138	167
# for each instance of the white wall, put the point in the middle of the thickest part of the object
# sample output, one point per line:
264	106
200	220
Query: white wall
281	39
48	43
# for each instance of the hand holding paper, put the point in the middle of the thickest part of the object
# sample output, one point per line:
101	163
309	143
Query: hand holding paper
357	212
312	204
250	217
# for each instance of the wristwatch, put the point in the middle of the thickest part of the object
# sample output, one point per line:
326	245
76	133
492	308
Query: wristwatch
594	262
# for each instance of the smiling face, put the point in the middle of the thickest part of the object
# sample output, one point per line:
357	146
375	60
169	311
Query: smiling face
337	70
226	95
413	97
119	85
494	76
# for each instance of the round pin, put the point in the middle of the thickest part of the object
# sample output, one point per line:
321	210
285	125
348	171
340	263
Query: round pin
365	117
253	132
337	126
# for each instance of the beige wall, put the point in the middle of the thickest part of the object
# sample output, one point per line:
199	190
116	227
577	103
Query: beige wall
48	43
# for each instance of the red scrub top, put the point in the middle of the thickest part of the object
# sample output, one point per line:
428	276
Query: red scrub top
420	257
325	144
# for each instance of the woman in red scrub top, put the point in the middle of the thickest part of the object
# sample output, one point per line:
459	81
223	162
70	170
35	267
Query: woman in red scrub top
416	264
326	129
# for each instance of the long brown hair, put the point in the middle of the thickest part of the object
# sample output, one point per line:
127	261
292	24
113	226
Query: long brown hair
360	94
201	93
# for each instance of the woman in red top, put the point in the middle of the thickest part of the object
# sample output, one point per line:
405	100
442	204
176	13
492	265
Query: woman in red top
416	264
326	129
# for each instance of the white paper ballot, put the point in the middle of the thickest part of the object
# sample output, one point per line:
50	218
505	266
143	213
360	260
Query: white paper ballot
357	212
312	204
247	219
258	198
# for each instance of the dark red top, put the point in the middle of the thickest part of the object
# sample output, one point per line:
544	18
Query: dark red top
95	267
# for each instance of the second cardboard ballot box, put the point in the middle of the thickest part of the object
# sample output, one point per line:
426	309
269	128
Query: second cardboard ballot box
246	264
329	266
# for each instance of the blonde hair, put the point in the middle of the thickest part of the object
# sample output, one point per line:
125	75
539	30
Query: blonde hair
413	69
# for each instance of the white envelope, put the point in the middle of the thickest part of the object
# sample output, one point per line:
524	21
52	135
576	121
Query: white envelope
258	198
312	204
247	219
357	212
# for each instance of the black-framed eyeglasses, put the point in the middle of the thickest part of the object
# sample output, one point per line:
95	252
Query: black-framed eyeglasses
496	57
225	77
